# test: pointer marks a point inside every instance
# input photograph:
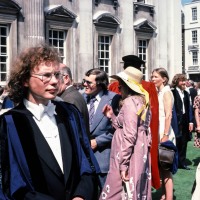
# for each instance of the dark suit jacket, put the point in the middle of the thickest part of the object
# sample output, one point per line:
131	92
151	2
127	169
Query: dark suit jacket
47	177
73	96
193	94
179	110
102	129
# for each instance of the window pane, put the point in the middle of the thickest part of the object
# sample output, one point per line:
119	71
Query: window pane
3	40
55	43
61	34
50	33
55	34
3	67
2	59
3	77
3	50
107	39
106	62
61	43
3	31
101	62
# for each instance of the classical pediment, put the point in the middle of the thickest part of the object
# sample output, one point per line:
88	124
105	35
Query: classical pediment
103	19
9	7
59	12
144	25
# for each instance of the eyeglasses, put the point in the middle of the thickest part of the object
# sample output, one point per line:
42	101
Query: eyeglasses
87	82
46	77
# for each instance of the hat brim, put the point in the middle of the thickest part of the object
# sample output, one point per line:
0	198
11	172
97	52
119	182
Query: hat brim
132	86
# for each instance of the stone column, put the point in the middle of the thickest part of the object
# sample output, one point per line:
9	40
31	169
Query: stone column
85	37
127	36
34	22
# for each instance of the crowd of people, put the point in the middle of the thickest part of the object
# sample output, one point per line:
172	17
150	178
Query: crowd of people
59	143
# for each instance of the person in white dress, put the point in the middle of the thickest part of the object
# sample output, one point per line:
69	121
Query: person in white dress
166	100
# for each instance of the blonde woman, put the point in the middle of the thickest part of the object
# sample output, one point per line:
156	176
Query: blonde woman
166	100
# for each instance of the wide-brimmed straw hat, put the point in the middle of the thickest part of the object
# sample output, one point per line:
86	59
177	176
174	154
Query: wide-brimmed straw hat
132	77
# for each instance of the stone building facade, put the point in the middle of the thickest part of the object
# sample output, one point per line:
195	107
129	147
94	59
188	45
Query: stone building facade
94	33
191	29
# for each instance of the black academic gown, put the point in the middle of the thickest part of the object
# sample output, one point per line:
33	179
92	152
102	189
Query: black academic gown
47	177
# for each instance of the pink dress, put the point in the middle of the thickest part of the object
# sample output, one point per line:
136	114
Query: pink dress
130	151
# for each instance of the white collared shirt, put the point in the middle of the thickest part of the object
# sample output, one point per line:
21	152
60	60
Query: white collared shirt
48	127
181	93
96	103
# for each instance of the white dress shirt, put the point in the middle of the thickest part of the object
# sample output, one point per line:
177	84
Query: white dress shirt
96	103
47	124
181	93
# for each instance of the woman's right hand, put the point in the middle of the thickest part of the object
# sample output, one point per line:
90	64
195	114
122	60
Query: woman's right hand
107	111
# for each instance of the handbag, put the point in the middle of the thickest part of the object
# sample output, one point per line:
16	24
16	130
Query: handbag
166	157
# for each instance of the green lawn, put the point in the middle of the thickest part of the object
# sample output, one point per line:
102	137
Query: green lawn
183	179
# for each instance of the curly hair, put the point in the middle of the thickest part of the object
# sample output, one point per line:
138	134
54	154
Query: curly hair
177	78
23	66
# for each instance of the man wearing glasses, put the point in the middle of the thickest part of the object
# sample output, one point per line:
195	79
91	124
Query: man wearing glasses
45	153
101	131
70	94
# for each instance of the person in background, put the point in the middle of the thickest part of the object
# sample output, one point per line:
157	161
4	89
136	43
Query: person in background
43	156
198	88
166	100
101	132
5	102
135	61
184	115
191	90
71	95
129	174
197	120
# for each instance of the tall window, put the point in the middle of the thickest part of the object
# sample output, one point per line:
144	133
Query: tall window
194	37
142	52
104	53
194	14
195	57
57	40
3	51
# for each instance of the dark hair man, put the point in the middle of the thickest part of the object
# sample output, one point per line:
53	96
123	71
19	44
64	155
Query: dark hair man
101	131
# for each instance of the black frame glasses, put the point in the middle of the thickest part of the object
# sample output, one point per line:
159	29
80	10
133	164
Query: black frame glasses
87	82
46	77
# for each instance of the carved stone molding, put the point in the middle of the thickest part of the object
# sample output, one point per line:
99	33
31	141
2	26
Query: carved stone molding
106	21
115	3
59	12
138	5
9	7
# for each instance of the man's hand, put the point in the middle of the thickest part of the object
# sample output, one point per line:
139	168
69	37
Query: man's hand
93	144
190	127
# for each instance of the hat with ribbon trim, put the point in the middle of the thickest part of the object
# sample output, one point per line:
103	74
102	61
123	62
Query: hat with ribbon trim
132	77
